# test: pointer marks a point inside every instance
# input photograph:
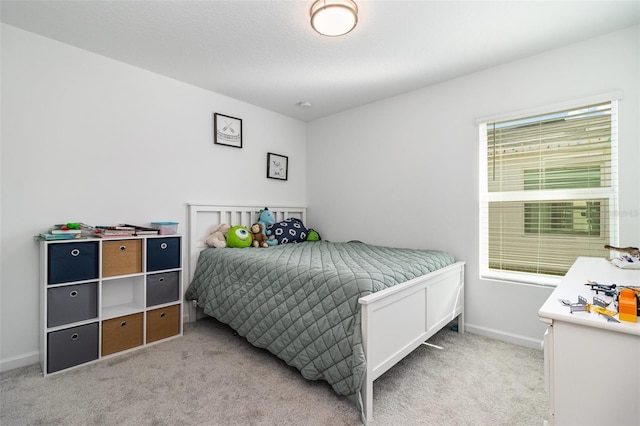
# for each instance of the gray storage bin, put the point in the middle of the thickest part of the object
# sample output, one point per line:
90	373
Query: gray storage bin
163	288
163	253
69	262
72	346
72	303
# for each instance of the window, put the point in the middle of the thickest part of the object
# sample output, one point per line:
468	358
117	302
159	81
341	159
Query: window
568	218
548	192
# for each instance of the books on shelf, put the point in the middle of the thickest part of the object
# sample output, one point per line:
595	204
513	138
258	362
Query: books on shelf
142	230
108	235
114	231
124	230
64	231
68	228
52	237
117	228
68	231
82	230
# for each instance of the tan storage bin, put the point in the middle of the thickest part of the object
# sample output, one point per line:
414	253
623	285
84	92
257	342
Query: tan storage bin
121	257
163	323
119	334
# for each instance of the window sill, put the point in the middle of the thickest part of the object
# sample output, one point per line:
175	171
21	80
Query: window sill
521	278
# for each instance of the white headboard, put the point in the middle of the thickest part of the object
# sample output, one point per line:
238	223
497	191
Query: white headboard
202	218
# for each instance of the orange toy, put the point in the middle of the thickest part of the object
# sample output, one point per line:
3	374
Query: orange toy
628	305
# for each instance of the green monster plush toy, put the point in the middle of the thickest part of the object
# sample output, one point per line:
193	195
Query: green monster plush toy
313	235
239	237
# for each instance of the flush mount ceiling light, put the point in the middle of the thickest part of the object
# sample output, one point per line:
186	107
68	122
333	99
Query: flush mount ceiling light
334	17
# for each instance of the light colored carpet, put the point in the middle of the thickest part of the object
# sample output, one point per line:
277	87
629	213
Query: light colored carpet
211	377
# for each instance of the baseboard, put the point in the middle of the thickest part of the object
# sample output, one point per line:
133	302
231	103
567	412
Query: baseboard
505	337
19	361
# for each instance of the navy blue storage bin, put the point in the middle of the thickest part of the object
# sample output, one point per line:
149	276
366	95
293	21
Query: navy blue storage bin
72	346
163	253
69	262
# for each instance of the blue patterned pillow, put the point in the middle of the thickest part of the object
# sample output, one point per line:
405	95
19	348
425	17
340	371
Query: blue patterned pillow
290	230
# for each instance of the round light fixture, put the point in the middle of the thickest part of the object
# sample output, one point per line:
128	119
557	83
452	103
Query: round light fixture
334	17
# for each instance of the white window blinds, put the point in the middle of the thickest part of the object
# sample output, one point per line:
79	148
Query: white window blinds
548	192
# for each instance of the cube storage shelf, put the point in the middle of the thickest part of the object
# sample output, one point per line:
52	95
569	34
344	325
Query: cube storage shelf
100	297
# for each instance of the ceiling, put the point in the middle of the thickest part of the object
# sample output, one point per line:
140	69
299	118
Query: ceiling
265	52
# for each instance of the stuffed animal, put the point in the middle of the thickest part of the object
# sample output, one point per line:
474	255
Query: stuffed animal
259	238
218	236
238	237
313	235
266	219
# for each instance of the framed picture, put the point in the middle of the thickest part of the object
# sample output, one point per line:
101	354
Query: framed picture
227	130
277	166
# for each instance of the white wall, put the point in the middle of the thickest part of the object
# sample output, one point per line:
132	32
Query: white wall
411	163
86	138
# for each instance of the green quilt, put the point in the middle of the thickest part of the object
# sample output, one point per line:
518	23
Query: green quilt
300	301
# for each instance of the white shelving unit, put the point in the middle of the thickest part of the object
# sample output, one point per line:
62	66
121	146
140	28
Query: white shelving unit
101	297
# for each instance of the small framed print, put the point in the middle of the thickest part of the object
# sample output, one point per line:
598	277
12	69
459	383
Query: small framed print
227	130
277	166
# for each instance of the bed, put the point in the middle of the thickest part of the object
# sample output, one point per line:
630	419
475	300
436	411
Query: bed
344	312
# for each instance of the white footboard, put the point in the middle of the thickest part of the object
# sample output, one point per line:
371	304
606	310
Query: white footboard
397	320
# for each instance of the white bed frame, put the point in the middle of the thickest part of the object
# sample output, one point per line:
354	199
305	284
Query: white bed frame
395	321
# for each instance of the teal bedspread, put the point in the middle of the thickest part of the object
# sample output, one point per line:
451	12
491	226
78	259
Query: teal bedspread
300	301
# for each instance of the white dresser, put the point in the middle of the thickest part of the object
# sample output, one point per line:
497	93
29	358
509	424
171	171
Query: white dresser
592	366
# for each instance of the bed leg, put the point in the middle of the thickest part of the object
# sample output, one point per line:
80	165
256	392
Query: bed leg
461	323
367	400
193	310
